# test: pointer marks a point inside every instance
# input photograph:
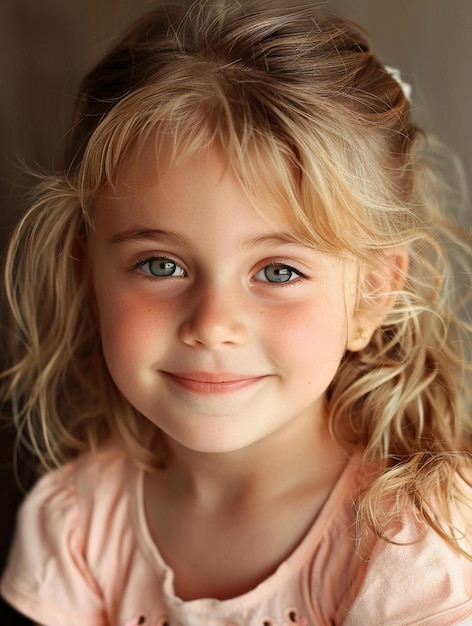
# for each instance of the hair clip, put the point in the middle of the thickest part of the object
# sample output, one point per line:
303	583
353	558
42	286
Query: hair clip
396	75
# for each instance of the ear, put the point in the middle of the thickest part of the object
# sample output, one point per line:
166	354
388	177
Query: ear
378	289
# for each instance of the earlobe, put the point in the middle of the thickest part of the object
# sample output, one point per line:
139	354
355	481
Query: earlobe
379	288
359	341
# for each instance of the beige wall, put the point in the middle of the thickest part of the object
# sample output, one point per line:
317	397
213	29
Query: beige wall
45	46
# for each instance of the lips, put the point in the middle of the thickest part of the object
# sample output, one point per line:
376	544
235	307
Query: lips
209	383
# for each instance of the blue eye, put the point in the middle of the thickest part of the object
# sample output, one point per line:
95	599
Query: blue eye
278	273
160	267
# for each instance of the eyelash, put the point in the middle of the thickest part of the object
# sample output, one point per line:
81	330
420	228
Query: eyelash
140	265
281	267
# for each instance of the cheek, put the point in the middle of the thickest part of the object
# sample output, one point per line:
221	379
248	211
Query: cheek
310	335
132	331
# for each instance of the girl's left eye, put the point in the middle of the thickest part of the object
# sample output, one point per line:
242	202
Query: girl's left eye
278	273
160	267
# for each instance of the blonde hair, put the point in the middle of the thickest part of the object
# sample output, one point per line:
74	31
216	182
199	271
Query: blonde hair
284	91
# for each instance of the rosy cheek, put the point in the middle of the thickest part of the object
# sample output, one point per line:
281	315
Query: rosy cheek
133	326
309	332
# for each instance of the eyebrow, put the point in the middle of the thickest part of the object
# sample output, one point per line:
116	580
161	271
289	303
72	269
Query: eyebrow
137	234
146	234
276	239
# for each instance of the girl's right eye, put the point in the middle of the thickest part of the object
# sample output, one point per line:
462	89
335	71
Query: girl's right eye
160	267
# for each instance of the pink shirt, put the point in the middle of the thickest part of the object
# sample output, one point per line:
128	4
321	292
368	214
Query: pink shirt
83	556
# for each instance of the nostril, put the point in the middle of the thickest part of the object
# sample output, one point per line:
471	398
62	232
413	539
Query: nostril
214	323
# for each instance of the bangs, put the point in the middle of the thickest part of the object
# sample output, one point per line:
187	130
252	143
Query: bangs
270	147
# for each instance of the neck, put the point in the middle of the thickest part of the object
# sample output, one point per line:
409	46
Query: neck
298	457
252	506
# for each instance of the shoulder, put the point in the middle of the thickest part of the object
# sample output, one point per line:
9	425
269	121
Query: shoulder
416	576
56	534
71	493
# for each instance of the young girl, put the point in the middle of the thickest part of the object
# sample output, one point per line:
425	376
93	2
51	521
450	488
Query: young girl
236	344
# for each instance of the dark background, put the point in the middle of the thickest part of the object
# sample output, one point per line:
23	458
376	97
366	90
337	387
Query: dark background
47	45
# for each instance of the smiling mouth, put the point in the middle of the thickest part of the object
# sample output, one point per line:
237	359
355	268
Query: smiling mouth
205	383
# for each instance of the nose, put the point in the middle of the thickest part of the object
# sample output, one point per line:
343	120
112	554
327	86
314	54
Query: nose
214	318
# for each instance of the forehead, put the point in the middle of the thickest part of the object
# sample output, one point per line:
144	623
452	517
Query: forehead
267	175
197	203
162	169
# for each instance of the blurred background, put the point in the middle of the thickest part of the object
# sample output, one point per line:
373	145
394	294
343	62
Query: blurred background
47	46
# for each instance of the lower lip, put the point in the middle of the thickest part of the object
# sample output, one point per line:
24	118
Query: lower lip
206	387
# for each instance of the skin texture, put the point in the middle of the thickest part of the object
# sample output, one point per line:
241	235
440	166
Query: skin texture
210	350
225	333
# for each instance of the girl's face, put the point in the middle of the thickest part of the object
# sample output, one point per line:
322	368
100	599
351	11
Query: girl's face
216	324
